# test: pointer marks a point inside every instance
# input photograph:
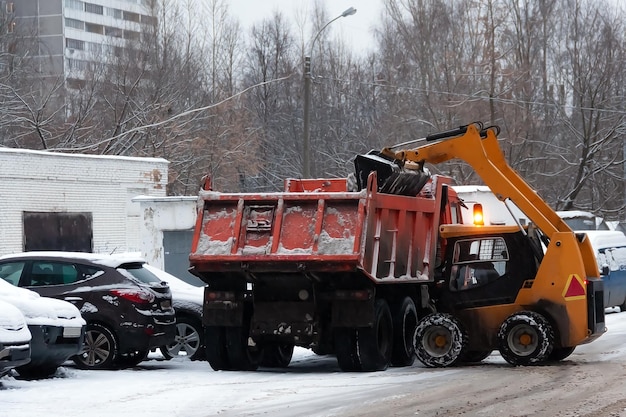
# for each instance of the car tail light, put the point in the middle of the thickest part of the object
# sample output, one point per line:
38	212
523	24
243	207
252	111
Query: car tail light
135	296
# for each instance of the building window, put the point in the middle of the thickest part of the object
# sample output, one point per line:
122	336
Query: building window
115	32
75	44
93	28
73	23
77	64
148	20
11	27
132	35
9	7
94	8
131	17
74	4
115	13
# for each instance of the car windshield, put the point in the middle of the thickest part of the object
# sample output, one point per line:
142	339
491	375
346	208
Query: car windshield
140	273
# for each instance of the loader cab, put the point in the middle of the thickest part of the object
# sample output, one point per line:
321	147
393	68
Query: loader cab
484	266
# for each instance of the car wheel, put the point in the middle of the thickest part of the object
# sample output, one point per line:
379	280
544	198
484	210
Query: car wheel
189	340
132	359
99	349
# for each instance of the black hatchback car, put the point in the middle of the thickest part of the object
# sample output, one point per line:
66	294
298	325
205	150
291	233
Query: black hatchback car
127	308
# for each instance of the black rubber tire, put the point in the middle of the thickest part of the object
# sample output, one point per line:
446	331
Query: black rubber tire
439	340
99	348
188	342
526	338
241	355
474	356
35	372
375	344
346	349
558	354
131	360
622	308
404	322
277	355
215	348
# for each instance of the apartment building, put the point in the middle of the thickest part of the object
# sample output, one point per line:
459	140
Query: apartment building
74	35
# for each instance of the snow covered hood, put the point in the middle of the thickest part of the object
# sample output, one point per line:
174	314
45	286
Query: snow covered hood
41	310
13	327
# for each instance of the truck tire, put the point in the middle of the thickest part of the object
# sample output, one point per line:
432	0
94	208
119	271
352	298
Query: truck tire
525	338
241	354
215	348
439	340
277	355
375	344
404	322
346	349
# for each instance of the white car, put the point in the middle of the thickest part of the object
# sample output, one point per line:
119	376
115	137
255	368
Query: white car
14	338
187	302
56	326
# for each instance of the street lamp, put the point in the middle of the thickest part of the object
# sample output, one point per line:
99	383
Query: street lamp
306	161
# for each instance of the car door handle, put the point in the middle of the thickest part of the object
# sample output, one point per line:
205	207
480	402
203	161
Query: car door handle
70	299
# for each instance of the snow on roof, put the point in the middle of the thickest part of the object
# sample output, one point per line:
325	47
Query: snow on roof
605	238
110	260
568	214
81	155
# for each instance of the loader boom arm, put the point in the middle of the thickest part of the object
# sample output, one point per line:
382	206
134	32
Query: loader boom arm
480	149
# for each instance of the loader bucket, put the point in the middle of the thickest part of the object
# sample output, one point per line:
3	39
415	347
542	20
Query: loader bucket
392	178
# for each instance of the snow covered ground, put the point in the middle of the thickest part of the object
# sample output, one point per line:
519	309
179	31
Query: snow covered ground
314	386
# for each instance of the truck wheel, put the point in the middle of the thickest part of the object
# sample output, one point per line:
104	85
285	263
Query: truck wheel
622	308
375	344
346	349
525	338
242	355
277	355
439	340
99	348
404	322
558	354
215	348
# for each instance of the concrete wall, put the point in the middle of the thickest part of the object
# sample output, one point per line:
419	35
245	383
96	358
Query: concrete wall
56	182
161	214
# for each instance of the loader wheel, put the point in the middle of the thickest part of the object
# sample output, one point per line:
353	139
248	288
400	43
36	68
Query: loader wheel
474	356
375	343
277	355
346	349
439	340
525	338
558	354
215	348
404	322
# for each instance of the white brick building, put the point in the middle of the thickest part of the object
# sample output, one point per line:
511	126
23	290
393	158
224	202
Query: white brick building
49	199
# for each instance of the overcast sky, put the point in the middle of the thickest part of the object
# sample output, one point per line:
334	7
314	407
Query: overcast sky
355	29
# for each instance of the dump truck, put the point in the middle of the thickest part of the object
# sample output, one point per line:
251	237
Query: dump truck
387	272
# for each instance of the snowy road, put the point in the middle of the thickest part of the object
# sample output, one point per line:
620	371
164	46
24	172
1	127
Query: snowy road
589	383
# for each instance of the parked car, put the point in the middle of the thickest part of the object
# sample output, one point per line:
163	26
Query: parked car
56	327
610	250
127	308
187	300
14	338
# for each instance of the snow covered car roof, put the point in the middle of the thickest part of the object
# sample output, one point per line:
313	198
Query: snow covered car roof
182	292
110	260
601	239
